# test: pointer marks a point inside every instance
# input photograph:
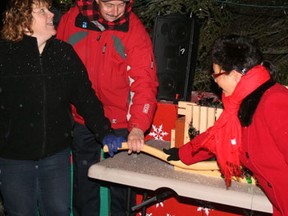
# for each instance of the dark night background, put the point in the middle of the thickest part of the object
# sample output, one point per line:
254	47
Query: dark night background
266	21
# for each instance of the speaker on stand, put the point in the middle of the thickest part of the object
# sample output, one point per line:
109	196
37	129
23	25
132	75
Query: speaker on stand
175	45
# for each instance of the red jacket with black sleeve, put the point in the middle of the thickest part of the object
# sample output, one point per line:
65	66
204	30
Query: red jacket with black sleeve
121	67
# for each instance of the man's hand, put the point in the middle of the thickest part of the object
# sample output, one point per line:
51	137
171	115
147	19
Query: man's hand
135	140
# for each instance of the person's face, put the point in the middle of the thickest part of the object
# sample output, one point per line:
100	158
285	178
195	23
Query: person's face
227	82
42	22
111	10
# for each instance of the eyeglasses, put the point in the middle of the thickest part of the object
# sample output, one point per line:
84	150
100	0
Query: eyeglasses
216	75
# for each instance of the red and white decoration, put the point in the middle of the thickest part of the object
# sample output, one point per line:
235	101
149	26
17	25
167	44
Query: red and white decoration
164	121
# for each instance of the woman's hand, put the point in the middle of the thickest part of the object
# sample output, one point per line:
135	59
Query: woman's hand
173	154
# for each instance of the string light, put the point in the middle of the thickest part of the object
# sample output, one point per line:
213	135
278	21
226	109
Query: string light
280	7
222	6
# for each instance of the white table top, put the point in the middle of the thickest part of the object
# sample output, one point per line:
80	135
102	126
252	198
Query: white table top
147	172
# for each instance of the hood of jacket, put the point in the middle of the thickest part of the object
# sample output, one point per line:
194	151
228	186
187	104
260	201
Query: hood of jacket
89	10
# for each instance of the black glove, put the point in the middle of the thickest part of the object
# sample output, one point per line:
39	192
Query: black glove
173	154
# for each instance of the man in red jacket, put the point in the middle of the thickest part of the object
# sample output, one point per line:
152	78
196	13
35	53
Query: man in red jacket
117	52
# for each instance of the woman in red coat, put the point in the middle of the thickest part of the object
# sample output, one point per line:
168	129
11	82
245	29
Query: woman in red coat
253	128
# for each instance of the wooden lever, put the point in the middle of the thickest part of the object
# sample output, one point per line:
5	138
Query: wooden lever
158	153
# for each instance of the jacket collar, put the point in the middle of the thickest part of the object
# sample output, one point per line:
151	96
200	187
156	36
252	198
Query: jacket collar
83	22
90	10
250	103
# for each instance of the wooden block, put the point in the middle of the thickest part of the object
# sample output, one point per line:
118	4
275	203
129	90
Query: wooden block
211	116
188	122
179	132
182	106
173	138
215	174
203	119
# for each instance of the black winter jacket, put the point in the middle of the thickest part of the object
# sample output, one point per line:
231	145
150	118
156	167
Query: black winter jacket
35	96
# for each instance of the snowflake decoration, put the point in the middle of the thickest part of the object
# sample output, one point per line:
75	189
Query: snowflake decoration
159	204
206	210
158	133
147	214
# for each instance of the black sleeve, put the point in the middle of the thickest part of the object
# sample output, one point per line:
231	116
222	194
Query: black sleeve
85	100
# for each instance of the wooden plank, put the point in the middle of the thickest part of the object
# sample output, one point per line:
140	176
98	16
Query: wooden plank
173	140
179	132
188	120
158	153
211	116
203	119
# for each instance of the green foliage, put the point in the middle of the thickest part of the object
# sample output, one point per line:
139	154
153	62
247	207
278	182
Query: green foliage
268	24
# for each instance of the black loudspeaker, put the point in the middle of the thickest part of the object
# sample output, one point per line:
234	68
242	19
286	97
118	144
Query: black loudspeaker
175	45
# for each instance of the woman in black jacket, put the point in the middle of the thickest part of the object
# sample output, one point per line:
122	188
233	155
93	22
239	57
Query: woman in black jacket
39	78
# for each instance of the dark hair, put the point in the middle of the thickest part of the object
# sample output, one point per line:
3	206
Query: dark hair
240	53
17	19
235	52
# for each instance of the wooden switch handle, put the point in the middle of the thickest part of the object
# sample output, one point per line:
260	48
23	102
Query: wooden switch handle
158	153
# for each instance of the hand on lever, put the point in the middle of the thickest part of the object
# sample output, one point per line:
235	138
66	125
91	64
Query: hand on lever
173	154
135	140
113	142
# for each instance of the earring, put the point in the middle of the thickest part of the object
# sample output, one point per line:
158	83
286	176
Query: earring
243	71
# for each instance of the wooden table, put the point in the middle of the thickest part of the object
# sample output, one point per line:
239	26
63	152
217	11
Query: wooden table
146	172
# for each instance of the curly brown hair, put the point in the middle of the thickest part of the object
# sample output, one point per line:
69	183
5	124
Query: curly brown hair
17	19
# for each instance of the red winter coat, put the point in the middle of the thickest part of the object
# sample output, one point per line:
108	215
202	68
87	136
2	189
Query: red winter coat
264	147
121	68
